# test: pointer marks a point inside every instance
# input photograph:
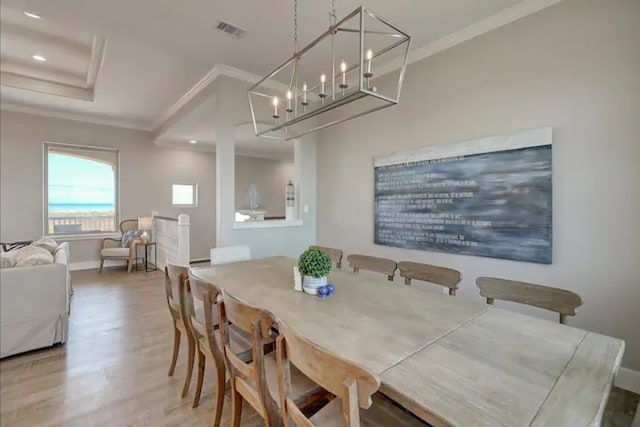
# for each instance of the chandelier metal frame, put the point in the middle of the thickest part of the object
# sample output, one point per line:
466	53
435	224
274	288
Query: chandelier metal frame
296	112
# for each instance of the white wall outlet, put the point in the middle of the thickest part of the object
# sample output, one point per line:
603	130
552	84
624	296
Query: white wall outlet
305	208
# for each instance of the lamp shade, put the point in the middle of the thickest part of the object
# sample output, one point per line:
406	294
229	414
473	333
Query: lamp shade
145	223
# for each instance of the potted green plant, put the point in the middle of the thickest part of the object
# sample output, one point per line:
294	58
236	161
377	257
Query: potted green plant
314	265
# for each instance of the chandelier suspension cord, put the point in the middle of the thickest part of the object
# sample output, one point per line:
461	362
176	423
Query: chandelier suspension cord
295	26
332	22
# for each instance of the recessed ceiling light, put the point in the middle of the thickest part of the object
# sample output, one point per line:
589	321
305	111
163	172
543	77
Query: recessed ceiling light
39	58
32	15
193	141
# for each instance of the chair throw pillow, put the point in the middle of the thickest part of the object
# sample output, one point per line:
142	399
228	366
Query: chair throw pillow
33	255
129	236
46	243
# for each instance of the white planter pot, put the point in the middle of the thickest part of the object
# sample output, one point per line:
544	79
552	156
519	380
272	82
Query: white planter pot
311	284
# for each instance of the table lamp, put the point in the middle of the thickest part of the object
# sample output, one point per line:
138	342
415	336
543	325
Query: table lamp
145	224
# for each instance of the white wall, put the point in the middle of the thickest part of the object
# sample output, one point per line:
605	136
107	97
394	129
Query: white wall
146	175
291	241
270	177
574	66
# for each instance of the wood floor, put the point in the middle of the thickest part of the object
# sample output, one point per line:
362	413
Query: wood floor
113	370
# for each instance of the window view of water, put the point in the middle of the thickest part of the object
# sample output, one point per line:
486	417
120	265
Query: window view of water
81	190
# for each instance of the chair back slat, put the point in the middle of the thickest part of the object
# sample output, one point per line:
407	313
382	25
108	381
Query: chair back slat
371	263
561	301
353	385
172	276
334	254
249	379
442	276
208	294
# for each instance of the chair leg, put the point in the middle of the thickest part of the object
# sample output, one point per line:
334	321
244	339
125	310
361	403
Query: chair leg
101	264
236	406
190	357
220	389
176	349
201	365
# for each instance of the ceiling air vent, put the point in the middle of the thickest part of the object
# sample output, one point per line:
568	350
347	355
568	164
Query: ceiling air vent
230	29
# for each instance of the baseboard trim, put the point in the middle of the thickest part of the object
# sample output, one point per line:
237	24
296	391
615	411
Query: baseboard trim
93	265
628	379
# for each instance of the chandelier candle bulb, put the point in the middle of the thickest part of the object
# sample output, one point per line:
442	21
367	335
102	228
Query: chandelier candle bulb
343	69
369	58
275	107
304	95
289	96
323	79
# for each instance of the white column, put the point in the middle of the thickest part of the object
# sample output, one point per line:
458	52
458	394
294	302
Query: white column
184	226
225	185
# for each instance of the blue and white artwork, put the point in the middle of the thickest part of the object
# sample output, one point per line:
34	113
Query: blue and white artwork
489	197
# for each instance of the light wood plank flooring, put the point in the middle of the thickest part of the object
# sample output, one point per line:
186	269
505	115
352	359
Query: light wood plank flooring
113	370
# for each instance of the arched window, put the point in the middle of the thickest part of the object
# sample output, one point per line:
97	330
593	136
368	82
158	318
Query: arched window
81	189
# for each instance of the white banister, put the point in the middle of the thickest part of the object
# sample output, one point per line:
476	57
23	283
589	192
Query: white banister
172	239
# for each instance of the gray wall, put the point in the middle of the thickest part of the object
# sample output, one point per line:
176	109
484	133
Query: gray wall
270	177
146	175
574	66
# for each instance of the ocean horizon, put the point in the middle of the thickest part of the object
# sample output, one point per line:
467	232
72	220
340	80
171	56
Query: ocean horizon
81	207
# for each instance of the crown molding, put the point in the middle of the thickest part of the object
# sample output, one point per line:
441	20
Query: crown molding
486	25
217	71
504	17
39	111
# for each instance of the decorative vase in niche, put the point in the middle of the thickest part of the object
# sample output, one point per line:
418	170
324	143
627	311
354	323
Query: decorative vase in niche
311	284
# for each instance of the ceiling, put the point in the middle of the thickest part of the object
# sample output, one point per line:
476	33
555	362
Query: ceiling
134	61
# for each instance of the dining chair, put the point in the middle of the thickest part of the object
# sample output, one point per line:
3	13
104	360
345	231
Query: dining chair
334	254
227	254
371	263
442	276
561	301
205	329
174	275
352	386
256	382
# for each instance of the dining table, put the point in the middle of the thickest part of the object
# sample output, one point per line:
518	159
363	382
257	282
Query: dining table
448	360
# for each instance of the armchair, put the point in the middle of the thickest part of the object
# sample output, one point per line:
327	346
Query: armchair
112	248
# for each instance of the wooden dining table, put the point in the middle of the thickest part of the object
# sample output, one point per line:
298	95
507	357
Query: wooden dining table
450	361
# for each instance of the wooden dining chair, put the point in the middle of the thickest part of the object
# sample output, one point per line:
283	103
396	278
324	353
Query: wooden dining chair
375	264
352	386
174	274
334	254
561	301
442	276
256	382
204	327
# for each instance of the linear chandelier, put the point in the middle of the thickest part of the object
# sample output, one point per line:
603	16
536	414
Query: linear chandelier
333	79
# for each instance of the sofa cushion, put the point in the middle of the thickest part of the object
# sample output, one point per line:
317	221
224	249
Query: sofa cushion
115	252
33	255
8	259
46	243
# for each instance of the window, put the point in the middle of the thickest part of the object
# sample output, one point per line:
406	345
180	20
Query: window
184	195
81	189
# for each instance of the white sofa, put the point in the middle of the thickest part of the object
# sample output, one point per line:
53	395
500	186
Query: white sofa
34	305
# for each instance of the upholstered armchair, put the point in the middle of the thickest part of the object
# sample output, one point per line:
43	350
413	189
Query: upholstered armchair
112	248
